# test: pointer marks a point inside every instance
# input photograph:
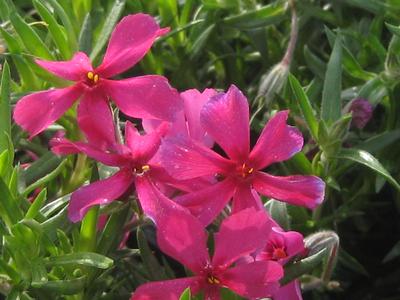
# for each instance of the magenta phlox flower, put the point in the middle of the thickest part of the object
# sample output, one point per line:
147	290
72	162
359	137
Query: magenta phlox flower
282	246
134	160
148	96
187	121
182	237
226	119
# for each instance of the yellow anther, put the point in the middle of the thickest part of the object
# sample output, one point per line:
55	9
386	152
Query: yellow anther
145	168
213	280
250	170
96	78
140	171
90	75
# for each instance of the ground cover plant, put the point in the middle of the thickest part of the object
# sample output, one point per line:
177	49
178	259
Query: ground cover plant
199	149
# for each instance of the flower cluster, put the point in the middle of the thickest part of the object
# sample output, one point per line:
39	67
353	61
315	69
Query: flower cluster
181	182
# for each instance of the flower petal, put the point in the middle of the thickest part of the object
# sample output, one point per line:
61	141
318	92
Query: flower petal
185	159
96	121
131	39
35	112
239	235
289	291
147	97
254	280
277	142
207	203
226	118
144	147
193	102
300	190
153	203
245	196
179	235
99	192
63	146
75	69
166	290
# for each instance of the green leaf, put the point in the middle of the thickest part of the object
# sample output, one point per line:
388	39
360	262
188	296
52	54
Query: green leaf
108	27
85	36
30	38
366	159
5	108
35	207
69	29
351	263
9	210
50	176
41	167
393	29
380	141
56	31
186	295
306	265
331	102
393	253
201	41
63	287
305	106
150	262
260	17
279	213
81	258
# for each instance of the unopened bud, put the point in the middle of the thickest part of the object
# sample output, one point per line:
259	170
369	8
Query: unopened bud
324	240
273	82
361	111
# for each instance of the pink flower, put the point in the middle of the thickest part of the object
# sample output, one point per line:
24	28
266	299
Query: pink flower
187	121
226	119
134	160
144	97
182	237
282	246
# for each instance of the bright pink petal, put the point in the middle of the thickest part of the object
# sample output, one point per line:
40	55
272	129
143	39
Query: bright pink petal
245	197
63	146
186	159
129	42
143	147
290	291
239	235
277	142
166	290
75	69
254	280
99	192
35	112
212	293
300	190
226	118
180	235
147	97
194	101
293	241
96	121
153	203
207	203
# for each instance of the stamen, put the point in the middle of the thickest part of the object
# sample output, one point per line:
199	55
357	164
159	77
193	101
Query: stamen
213	280
96	78
90	75
141	170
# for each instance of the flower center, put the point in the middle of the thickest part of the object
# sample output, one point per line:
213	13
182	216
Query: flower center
211	279
141	170
92	78
279	253
244	170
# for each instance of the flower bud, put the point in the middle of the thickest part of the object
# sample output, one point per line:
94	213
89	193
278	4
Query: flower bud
361	111
272	82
